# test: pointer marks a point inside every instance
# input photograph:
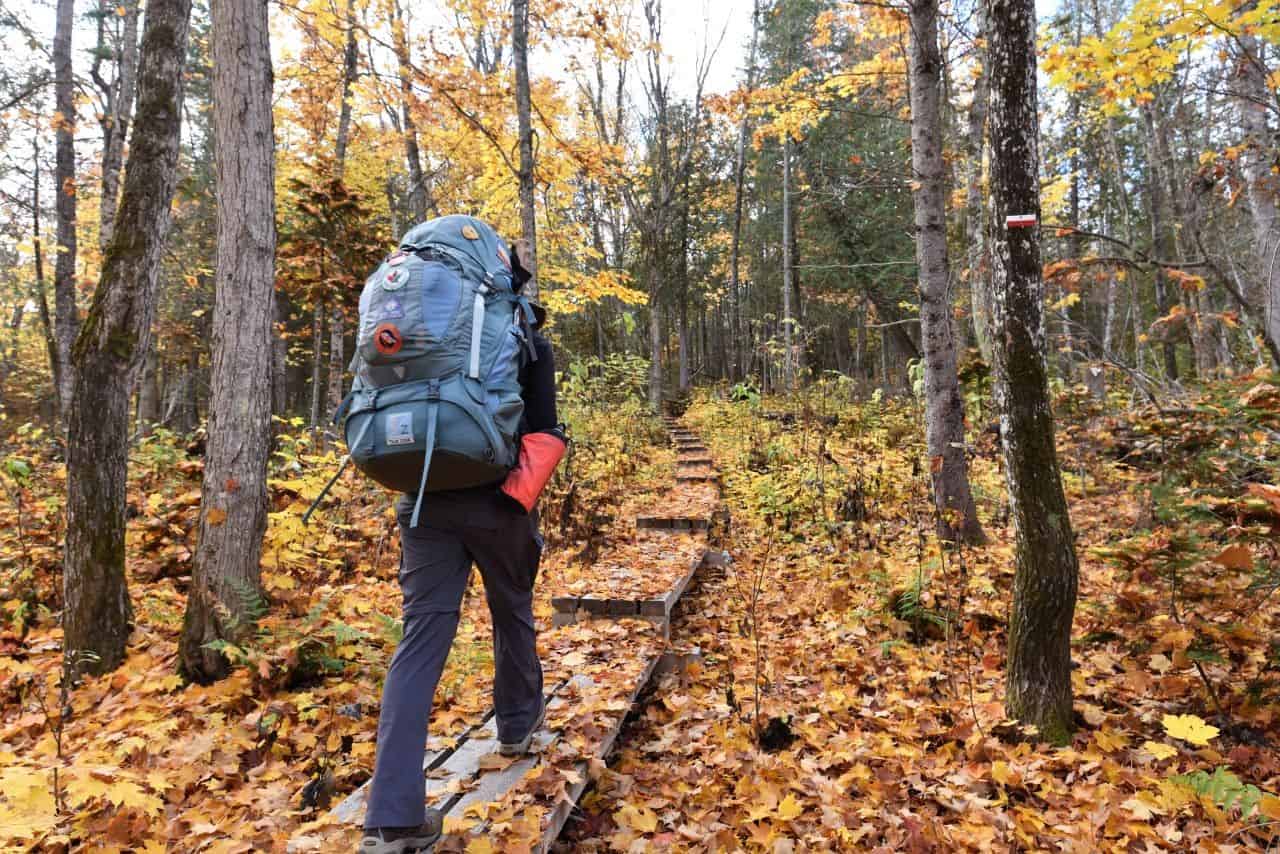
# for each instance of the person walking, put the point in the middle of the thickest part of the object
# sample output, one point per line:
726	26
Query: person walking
495	528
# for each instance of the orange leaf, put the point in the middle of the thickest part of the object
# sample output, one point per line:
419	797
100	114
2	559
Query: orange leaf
1235	557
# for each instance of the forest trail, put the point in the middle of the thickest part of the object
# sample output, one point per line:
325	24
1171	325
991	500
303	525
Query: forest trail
595	672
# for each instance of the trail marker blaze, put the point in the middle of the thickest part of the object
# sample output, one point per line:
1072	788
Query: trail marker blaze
1020	221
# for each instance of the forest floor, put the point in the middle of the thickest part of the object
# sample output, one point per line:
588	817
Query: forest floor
849	695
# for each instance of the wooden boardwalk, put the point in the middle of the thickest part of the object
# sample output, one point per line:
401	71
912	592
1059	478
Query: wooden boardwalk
596	672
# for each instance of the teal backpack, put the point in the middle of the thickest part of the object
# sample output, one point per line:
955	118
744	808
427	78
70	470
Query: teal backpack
443	334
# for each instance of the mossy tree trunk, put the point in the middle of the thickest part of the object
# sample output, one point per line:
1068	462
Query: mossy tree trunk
109	349
1038	690
233	506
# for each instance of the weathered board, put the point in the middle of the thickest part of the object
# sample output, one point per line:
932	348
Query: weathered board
673	523
564	808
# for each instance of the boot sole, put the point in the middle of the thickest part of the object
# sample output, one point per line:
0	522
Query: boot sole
408	845
521	747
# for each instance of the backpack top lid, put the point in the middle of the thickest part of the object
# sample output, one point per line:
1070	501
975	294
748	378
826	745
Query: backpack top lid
469	241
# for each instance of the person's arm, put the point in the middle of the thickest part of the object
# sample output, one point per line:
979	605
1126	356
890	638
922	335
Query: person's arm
538	388
542	444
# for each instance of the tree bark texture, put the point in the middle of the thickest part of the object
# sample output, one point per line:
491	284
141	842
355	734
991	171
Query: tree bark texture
737	333
788	270
1038	689
67	321
47	322
350	68
412	155
1262	187
233	507
528	212
978	260
116	121
944	406
110	347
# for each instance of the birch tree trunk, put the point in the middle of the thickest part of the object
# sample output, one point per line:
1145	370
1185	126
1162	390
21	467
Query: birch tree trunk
975	139
739	180
528	213
944	406
1038	689
67	322
112	342
233	506
788	354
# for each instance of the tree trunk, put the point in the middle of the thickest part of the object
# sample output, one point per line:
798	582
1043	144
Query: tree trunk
655	343
317	366
1262	186
528	214
1161	237
280	354
739	180
97	615
409	130
975	233
233	507
1038	690
788	355
115	121
944	406
682	273
149	391
64	178
337	334
349	71
47	322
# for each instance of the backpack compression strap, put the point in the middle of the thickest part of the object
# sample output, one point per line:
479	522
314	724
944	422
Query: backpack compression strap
433	406
346	458
477	327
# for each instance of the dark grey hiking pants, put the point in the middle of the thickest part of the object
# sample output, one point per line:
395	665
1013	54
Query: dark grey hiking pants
455	530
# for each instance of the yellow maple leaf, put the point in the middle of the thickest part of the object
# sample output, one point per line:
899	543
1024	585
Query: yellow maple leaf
790	808
1189	728
639	818
1158	750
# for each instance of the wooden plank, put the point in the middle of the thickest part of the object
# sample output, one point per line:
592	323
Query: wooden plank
696	460
564	808
681	523
564	604
493	785
351	808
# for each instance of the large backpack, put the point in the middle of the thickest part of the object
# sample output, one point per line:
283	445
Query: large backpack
443	335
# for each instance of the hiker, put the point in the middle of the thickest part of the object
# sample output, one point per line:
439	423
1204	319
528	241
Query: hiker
443	531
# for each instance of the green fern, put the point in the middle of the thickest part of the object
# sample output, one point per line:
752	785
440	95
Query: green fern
1224	788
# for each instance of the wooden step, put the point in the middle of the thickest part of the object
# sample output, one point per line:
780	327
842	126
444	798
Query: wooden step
673	523
695	460
599	605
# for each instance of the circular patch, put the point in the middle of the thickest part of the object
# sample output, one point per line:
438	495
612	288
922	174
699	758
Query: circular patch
397	258
387	339
394	280
469	232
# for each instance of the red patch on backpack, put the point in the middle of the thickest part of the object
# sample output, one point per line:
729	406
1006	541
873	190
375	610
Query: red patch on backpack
388	339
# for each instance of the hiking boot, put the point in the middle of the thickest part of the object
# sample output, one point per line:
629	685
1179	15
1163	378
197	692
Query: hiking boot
403	840
521	747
